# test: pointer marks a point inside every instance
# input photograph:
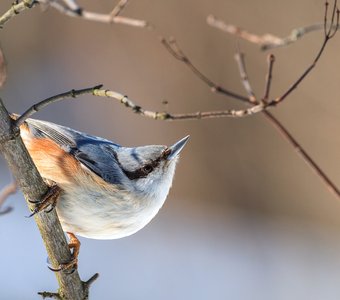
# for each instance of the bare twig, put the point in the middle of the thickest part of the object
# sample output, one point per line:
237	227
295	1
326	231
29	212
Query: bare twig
35	108
89	282
280	127
119	8
16	9
329	33
123	99
176	52
239	57
97	17
173	48
267	41
4	194
49	295
86	286
271	59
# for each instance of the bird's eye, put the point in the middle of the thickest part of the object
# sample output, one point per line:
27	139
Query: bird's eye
147	169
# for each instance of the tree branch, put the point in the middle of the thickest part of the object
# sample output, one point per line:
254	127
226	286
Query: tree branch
123	99
33	188
16	9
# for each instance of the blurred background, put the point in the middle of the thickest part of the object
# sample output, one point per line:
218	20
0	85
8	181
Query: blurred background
246	217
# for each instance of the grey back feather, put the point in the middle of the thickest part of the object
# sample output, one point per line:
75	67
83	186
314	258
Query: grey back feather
97	154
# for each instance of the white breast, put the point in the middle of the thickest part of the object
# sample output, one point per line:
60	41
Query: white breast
105	216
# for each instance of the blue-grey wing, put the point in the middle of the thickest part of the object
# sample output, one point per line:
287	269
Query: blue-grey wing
95	153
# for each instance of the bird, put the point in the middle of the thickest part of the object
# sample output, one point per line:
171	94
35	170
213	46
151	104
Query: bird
100	189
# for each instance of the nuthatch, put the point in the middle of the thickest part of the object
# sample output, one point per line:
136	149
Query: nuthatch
106	191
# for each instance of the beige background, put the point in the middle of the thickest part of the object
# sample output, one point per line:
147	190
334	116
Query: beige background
246	218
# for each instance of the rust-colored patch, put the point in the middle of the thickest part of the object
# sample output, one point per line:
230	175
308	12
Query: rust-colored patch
52	162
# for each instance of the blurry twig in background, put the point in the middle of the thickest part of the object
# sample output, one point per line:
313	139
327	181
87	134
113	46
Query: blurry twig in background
278	125
258	105
329	32
266	41
174	49
4	194
72	9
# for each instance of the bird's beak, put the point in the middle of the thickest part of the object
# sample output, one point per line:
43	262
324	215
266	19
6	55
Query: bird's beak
176	148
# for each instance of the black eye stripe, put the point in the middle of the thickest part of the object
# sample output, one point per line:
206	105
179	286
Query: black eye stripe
143	171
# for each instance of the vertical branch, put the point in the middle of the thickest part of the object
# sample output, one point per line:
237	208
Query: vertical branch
271	60
239	57
33	188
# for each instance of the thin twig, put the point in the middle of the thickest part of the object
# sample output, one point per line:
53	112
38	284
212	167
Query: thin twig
307	158
97	17
50	295
173	48
123	99
178	54
329	35
239	57
86	285
266	41
89	282
40	105
8	190
16	9
271	60
119	8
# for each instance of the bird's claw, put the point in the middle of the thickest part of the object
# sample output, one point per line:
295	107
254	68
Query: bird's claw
49	200
72	265
68	268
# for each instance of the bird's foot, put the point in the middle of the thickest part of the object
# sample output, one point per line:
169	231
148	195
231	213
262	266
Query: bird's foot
72	265
48	201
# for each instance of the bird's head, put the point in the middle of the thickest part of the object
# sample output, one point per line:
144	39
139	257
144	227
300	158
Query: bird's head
149	170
